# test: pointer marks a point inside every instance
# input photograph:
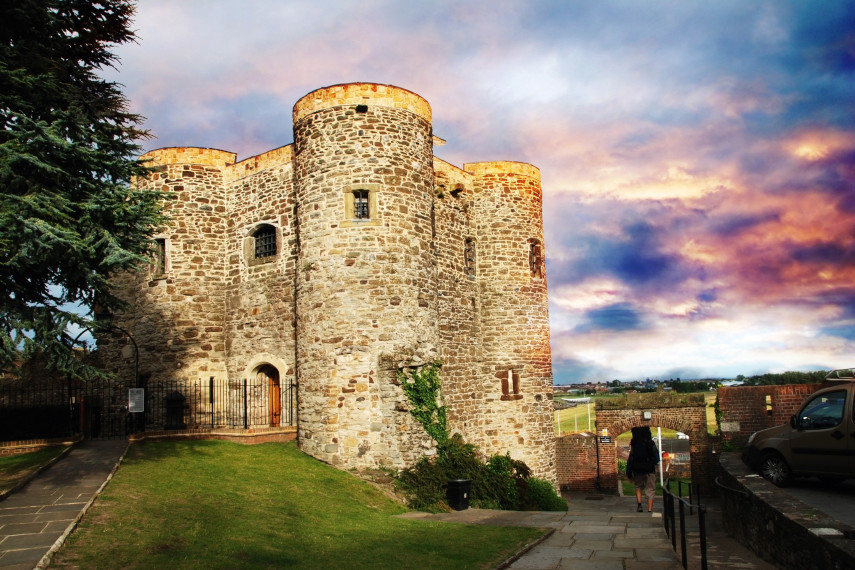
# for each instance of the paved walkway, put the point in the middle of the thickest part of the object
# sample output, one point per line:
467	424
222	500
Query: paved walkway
39	516
604	533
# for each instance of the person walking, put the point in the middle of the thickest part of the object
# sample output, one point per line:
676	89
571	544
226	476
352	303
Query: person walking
641	465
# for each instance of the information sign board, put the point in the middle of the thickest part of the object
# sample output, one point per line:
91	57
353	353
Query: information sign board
136	400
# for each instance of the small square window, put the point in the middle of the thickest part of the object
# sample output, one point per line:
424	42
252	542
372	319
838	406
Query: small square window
361	205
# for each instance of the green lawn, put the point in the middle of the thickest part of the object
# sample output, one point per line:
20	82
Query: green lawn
16	468
212	504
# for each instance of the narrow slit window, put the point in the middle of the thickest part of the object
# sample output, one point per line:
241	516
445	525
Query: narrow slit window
159	256
469	257
510	386
535	259
265	242
361	209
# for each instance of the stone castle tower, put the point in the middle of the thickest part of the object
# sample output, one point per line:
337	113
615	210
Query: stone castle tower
330	263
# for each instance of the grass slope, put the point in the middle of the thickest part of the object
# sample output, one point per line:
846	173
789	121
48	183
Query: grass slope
212	504
14	469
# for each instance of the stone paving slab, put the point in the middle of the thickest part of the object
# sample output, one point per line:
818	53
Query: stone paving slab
590	564
34	518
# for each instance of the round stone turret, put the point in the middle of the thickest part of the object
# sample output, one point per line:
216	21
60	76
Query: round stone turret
514	311
366	276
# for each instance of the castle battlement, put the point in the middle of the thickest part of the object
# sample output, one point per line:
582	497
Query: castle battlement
324	265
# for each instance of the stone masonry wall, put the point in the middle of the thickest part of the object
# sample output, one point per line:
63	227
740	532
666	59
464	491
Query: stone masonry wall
260	299
458	303
189	294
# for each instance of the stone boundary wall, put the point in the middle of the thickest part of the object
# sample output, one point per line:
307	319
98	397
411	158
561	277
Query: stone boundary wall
744	409
776	526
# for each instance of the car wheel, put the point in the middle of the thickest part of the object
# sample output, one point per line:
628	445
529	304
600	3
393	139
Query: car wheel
774	468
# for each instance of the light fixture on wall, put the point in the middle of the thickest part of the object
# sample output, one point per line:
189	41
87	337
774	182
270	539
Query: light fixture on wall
647	415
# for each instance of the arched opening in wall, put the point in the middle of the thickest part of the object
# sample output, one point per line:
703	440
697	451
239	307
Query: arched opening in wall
268	375
674	448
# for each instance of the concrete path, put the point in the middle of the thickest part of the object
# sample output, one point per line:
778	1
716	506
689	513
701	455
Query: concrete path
604	533
38	517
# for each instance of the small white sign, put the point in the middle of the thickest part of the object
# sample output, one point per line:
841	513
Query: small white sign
136	400
729	426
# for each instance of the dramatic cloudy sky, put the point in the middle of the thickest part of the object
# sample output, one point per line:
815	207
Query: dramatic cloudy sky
698	158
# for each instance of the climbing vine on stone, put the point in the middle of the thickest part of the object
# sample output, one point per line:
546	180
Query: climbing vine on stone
422	387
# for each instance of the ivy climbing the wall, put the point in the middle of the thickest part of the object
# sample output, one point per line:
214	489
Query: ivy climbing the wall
422	386
498	483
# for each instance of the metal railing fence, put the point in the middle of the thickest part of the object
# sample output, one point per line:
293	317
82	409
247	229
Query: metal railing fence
690	503
100	409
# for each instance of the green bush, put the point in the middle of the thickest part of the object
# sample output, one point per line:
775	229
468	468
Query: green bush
498	483
542	496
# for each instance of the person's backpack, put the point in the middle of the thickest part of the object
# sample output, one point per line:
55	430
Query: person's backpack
644	457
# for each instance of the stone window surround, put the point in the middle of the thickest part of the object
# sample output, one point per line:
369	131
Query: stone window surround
249	244
350	219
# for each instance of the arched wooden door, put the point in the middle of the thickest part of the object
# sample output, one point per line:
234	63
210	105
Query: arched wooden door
274	393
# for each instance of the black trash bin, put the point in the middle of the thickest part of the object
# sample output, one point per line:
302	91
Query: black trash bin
458	493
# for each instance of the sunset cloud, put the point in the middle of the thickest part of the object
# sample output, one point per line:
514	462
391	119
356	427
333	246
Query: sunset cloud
697	159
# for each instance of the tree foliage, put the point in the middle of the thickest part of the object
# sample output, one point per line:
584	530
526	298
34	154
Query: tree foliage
69	216
789	377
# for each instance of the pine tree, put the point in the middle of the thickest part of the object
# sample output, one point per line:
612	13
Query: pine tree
69	214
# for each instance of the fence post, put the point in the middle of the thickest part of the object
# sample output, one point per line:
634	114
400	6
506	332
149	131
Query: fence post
702	528
211	398
685	555
245	422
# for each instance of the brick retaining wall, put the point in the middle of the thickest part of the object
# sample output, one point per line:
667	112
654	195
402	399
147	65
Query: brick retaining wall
746	409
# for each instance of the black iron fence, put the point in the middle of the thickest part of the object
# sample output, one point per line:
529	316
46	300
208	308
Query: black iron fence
102	409
687	505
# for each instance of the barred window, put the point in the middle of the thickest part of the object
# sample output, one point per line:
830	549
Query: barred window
265	242
361	210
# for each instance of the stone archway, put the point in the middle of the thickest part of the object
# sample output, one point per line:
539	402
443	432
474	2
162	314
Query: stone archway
681	413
